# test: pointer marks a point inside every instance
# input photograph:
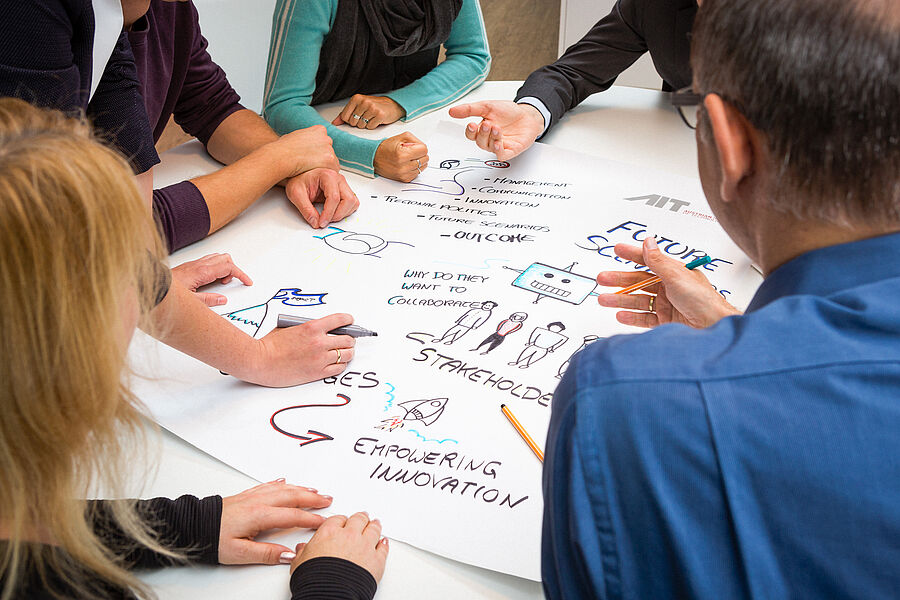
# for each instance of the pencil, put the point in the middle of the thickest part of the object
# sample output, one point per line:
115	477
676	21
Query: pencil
515	423
697	262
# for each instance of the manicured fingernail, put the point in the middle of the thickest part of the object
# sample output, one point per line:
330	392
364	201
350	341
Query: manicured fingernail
384	541
651	243
280	480
221	301
313	490
485	128
286	558
327	497
471	127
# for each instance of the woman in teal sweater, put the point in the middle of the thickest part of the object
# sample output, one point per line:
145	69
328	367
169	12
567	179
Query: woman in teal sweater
383	55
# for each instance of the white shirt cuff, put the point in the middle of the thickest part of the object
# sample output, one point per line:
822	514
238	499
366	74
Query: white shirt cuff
532	101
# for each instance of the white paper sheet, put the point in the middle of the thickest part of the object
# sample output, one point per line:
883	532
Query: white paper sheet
412	431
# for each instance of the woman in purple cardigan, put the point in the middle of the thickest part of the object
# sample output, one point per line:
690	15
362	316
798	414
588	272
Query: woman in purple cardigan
174	71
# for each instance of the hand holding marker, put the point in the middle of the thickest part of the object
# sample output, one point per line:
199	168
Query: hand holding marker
697	262
352	330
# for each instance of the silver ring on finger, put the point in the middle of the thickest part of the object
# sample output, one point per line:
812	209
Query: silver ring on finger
355	116
366	121
653	304
338	361
418	166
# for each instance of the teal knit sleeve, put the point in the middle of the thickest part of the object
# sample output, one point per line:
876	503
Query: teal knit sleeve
299	28
467	65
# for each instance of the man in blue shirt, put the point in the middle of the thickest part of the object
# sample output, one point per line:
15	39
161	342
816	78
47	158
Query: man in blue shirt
758	456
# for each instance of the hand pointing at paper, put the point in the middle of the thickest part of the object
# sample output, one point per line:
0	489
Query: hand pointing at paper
683	296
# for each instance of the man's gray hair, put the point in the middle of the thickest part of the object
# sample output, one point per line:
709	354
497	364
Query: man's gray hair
821	80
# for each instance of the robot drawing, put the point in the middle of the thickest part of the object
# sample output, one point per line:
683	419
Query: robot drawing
552	282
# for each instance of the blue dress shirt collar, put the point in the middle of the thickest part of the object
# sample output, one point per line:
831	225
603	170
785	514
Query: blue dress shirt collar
825	271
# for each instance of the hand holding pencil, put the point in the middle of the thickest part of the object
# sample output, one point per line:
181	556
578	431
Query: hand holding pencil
681	295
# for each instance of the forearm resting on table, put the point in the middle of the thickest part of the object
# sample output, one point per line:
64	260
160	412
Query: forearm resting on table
238	135
355	154
231	189
183	322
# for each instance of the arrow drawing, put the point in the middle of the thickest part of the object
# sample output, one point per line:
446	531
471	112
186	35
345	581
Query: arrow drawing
311	436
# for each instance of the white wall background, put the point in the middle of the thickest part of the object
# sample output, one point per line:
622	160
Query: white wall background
576	17
238	34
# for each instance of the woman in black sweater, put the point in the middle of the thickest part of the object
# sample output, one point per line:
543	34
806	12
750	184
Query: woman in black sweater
75	278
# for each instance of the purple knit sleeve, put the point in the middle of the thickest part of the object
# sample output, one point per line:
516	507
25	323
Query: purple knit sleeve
46	59
118	112
206	99
181	213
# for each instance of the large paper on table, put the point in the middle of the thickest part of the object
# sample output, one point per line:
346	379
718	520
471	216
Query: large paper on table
412	431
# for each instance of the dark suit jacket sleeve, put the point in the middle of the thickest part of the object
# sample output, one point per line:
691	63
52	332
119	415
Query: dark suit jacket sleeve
589	66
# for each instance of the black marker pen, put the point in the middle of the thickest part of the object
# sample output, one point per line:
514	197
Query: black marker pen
351	330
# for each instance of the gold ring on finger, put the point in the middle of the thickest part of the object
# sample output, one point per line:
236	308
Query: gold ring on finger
652	303
338	361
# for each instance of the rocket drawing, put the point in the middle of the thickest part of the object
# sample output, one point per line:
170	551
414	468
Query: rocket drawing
426	411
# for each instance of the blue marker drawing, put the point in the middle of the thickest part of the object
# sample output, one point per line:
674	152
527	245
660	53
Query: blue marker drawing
390	394
250	319
351	242
444	179
553	282
423	438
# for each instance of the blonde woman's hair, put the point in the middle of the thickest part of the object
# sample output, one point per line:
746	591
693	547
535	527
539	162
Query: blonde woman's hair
74	255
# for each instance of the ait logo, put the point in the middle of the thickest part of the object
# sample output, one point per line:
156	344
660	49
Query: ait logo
661	202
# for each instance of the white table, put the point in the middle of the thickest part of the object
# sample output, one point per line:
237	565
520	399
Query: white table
625	124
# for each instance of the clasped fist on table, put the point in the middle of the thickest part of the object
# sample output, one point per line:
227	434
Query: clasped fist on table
402	157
